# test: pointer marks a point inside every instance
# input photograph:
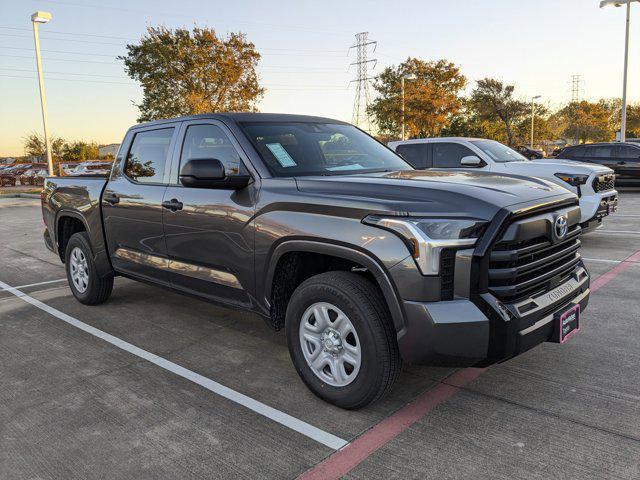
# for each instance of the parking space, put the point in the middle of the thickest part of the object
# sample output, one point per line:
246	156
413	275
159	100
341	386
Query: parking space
74	405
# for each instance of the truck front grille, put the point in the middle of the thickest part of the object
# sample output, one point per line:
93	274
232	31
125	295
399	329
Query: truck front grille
604	183
521	269
447	268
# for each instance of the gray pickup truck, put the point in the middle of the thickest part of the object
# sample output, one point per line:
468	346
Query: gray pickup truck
325	232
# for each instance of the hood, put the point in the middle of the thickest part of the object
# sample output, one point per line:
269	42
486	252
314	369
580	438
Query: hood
576	167
420	192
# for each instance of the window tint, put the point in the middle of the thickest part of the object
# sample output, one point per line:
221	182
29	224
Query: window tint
448	155
414	153
147	157
601	151
210	141
628	152
574	152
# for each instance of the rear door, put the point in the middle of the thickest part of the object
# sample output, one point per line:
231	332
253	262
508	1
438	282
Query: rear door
132	203
417	154
628	161
601	154
209	235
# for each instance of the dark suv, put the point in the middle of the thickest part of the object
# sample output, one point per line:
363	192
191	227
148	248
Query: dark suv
622	158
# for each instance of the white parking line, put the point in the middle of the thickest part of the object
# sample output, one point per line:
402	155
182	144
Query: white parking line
601	260
41	283
282	418
625	232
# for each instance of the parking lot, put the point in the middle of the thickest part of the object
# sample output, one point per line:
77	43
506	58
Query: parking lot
153	384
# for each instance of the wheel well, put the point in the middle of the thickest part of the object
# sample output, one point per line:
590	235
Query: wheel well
293	268
67	226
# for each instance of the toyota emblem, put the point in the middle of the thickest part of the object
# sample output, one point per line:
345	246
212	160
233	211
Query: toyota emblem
560	227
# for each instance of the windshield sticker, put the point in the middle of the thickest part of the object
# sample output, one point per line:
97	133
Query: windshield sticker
353	166
281	155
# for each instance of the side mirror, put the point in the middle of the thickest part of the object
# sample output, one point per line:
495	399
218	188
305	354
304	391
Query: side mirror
209	173
472	161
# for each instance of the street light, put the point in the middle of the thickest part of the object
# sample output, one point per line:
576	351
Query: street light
407	76
533	99
623	115
36	18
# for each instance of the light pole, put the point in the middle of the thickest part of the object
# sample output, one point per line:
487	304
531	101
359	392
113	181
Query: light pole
533	108
623	115
36	18
407	76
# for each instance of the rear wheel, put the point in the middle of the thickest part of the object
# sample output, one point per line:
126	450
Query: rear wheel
341	339
86	285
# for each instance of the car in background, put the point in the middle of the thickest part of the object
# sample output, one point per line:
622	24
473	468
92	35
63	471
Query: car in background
594	184
65	169
622	158
92	168
11	176
34	176
528	152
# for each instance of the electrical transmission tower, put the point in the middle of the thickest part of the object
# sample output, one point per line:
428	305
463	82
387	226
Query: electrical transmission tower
575	88
361	102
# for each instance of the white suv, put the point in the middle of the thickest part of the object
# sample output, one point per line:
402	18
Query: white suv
594	184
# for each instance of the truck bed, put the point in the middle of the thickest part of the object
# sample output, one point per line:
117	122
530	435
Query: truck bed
77	197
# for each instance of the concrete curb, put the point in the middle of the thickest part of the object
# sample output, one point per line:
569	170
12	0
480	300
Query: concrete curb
19	195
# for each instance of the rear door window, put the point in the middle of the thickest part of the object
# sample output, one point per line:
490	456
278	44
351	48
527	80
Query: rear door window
575	152
448	155
414	153
147	158
600	151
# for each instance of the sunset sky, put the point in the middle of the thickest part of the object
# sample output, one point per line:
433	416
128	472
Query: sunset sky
535	44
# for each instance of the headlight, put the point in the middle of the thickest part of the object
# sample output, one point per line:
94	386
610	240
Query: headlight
427	237
575	180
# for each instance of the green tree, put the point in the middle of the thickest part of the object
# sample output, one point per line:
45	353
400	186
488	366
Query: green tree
186	72
431	100
493	101
34	145
80	151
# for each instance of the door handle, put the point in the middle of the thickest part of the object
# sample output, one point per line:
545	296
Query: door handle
111	198
172	205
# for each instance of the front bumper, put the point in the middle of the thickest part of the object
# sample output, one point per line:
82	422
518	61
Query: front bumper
607	204
594	206
463	332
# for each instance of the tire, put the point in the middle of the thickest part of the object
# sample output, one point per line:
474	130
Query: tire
91	289
357	383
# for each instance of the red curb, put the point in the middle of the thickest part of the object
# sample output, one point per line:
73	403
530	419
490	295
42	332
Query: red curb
606	277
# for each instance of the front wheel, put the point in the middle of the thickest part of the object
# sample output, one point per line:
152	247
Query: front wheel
82	275
341	339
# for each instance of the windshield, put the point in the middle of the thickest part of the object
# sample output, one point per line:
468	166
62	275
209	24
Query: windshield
296	149
498	152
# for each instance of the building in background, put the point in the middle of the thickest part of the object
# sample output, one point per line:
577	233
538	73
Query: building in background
108	150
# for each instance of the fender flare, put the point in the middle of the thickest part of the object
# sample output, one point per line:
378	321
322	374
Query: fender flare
348	253
101	258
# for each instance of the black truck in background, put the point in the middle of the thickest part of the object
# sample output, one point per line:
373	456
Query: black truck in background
325	232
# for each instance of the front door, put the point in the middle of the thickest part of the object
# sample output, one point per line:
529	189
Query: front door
209	231
132	204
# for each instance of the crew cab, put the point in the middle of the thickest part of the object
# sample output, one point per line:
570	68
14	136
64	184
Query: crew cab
326	233
594	184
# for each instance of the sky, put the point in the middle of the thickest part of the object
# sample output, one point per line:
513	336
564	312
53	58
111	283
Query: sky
537	45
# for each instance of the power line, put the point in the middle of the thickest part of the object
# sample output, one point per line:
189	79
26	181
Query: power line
361	116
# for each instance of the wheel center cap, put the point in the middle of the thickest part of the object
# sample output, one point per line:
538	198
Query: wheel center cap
331	341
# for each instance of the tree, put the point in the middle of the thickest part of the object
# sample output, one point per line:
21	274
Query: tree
34	145
494	101
185	73
586	121
431	100
80	151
